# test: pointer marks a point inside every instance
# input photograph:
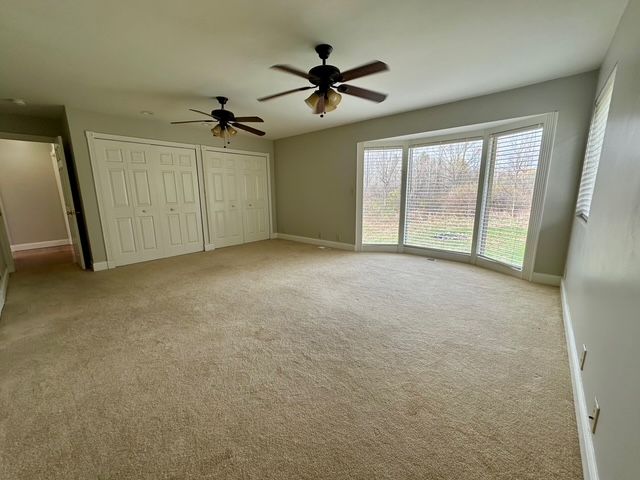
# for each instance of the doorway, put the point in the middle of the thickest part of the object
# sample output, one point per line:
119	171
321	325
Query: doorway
38	228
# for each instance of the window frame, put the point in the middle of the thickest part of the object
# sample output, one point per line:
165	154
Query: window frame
548	122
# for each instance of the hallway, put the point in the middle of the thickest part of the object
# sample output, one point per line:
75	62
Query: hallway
41	258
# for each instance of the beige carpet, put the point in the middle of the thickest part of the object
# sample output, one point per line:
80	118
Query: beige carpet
279	360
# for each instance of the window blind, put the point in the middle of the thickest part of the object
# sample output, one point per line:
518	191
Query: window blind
594	149
442	194
381	195
511	177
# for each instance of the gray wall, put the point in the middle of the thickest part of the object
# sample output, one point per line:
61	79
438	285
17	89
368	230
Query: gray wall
80	121
603	267
29	191
316	172
30	125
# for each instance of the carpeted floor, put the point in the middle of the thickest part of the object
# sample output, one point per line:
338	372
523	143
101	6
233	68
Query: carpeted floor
278	360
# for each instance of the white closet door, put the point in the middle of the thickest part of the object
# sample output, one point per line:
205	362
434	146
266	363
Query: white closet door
255	202
223	202
130	201
180	212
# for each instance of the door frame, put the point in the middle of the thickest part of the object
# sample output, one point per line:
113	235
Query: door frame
199	152
55	141
209	245
485	131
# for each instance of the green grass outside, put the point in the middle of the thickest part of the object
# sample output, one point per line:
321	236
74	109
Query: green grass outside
454	238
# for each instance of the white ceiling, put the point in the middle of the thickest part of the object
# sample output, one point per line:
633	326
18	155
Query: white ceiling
166	56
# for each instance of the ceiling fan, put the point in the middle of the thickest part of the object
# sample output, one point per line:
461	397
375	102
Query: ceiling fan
226	121
324	77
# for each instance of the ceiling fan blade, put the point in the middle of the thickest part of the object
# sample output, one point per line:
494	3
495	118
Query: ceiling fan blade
291	70
248	119
246	128
301	89
200	111
192	121
319	106
364	70
362	93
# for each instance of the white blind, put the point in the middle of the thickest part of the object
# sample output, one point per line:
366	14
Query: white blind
594	149
381	195
442	192
511	178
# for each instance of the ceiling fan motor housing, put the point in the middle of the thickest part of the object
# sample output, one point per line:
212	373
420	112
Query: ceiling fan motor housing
324	76
224	116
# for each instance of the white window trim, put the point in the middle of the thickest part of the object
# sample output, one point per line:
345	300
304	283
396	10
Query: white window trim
548	122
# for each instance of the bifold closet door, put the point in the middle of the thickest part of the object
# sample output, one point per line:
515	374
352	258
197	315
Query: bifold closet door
131	207
255	213
149	200
237	198
180	212
223	199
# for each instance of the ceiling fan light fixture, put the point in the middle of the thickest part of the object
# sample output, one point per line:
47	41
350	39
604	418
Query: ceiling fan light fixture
217	131
232	131
312	100
333	99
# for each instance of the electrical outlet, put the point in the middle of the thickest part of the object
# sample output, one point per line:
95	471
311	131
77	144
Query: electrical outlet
583	356
595	415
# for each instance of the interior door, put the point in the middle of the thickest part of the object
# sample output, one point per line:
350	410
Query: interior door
223	200
180	200
129	201
142	173
5	243
255	213
69	205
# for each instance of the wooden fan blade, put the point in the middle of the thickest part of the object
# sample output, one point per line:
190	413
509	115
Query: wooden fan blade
246	128
200	111
291	70
319	106
248	119
193	121
362	93
364	70
301	89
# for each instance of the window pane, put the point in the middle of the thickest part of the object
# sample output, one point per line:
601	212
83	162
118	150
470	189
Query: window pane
512	175
381	195
594	148
441	195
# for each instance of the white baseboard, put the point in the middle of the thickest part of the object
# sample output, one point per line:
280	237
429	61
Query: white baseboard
32	246
589	466
315	241
99	266
546	279
208	247
4	282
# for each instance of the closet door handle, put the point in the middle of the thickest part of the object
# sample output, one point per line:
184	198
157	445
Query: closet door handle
144	211
172	209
